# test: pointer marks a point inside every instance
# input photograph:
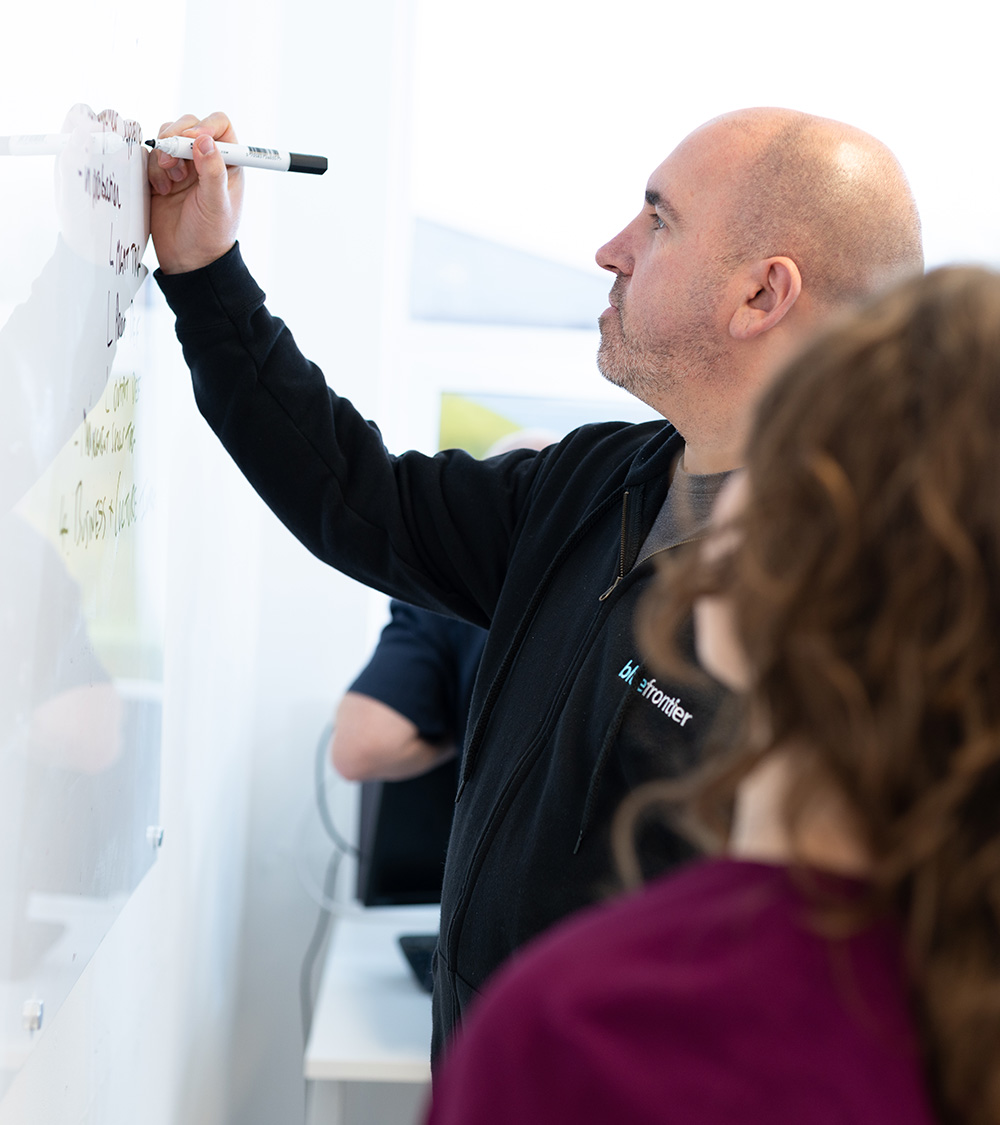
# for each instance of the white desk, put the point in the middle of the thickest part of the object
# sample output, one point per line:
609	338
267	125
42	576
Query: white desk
372	1022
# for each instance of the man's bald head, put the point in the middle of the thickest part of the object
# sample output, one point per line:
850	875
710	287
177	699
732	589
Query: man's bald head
755	229
827	195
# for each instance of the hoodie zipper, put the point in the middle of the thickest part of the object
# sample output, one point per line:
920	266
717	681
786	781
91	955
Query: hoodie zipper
621	554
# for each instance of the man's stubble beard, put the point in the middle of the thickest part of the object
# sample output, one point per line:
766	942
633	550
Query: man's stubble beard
661	376
623	367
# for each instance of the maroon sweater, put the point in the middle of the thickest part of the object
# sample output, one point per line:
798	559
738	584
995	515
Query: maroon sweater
706	999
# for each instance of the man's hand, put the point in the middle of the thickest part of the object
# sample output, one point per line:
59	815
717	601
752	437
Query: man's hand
195	205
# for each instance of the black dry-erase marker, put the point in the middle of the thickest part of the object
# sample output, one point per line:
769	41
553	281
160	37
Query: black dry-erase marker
245	155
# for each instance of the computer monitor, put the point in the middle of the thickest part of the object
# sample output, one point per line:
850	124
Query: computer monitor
403	836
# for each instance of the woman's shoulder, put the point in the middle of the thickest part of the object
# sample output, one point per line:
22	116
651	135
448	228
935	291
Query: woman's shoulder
715	981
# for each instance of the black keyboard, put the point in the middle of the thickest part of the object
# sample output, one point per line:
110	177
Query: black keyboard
419	952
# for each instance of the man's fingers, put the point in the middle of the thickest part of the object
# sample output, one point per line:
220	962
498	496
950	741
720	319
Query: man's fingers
181	125
166	170
219	126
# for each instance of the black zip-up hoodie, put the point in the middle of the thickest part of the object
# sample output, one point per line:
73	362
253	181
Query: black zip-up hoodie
540	547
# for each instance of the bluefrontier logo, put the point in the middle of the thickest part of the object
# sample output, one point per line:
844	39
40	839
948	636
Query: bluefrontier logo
670	705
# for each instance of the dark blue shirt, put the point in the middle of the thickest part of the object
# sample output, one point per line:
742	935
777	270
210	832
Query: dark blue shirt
424	667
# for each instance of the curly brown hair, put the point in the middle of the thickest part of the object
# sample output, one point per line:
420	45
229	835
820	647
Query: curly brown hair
865	585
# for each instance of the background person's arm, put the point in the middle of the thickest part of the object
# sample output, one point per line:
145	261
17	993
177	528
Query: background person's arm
371	741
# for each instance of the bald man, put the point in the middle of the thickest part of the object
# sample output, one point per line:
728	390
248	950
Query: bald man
758	227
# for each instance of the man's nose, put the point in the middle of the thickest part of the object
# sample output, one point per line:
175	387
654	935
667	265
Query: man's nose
616	254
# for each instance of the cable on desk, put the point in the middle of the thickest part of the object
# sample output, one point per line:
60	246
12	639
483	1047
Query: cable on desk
342	847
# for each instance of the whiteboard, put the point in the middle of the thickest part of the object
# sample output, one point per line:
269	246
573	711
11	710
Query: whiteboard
81	582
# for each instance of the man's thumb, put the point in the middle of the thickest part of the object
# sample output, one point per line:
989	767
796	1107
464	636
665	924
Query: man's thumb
211	170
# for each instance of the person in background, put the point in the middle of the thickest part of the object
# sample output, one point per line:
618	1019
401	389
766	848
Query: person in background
839	963
407	711
398	730
756	229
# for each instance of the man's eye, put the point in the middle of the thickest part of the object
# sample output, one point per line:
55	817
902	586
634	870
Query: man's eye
658	223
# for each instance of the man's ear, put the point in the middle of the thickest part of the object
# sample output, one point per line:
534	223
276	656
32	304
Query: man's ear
773	287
